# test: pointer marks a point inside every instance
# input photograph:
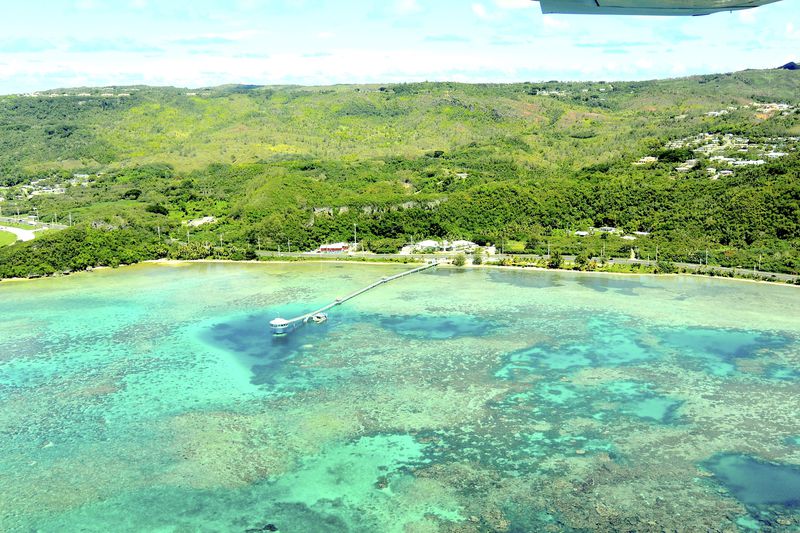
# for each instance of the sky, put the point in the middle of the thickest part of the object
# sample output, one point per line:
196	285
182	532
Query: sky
200	43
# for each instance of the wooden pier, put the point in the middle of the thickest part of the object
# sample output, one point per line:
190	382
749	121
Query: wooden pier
281	326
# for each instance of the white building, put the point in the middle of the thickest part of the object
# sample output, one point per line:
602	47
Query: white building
428	245
463	246
648	160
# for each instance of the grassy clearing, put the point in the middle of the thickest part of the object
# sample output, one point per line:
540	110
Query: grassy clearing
7	238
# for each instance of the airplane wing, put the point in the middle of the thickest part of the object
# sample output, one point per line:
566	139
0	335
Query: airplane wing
647	7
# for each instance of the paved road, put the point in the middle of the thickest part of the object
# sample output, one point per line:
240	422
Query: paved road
39	225
689	266
22	234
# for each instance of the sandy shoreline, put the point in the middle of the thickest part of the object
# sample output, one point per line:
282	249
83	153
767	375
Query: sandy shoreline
179	262
175	262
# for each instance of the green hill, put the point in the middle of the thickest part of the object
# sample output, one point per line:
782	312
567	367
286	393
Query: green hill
529	162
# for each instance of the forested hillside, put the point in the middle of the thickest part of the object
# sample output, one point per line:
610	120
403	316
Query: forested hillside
716	168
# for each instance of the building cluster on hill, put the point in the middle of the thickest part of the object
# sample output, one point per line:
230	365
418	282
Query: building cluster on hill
769	109
108	92
43	186
725	152
610	230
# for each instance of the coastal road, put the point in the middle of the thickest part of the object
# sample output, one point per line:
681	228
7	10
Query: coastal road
22	234
28	222
621	261
689	266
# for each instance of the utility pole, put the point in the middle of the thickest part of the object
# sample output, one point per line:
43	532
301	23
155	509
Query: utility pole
159	232
187	237
289	245
759	261
355	237
706	256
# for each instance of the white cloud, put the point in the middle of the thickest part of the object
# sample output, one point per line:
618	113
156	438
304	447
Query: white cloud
501	47
678	69
552	22
248	4
513	4
480	11
748	16
407	7
222	37
338	66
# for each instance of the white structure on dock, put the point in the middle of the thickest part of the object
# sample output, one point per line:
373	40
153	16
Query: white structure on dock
280	326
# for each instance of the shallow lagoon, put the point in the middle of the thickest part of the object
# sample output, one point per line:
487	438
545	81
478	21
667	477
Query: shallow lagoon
153	398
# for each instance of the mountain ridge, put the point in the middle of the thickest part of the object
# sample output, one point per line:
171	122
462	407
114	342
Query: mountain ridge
377	85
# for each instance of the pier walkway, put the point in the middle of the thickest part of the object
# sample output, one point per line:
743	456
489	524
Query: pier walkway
281	326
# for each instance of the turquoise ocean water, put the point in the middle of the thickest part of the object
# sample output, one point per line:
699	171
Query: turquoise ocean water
153	398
